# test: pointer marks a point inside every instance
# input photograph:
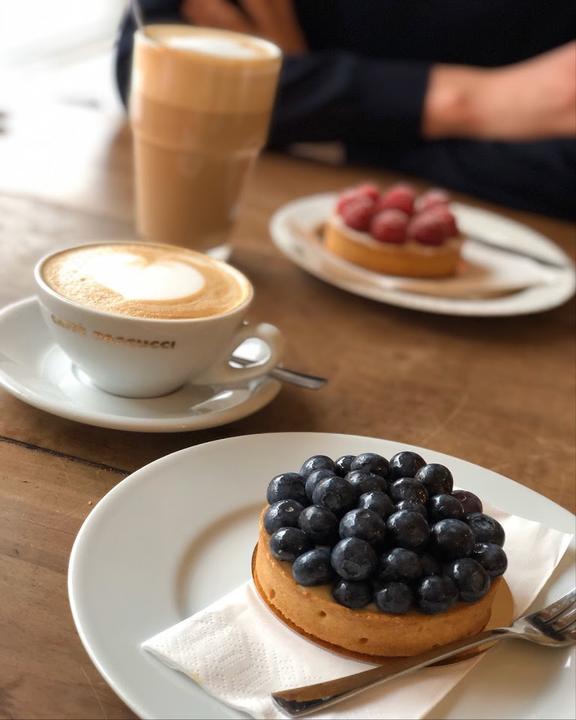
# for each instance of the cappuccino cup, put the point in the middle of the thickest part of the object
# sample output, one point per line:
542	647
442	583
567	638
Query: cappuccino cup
141	319
200	106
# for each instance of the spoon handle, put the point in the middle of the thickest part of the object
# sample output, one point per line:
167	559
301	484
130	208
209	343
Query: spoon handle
137	13
310	382
294	377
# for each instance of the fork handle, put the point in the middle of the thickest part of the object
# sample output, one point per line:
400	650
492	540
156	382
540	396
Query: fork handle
301	701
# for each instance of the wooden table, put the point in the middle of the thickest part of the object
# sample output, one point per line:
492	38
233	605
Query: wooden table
498	392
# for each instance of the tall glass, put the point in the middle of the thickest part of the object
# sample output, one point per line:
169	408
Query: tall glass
200	108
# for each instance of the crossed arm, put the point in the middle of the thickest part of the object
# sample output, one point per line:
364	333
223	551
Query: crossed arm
525	101
336	95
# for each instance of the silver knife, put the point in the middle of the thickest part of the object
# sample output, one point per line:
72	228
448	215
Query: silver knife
494	245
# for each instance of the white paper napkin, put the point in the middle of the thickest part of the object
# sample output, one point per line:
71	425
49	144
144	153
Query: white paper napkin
239	652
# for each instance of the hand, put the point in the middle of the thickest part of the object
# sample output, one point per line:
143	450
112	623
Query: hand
530	100
274	20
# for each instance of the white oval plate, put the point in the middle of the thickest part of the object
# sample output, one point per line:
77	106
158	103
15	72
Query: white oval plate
179	533
293	226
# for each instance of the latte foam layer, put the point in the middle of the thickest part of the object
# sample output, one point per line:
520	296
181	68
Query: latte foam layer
217	46
146	281
205	70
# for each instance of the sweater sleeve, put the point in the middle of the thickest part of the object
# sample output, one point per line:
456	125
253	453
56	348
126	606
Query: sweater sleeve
333	95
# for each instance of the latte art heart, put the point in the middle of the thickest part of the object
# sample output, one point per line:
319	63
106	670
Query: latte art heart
135	278
146	281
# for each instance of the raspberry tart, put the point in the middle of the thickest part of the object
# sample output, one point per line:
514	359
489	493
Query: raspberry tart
377	558
395	232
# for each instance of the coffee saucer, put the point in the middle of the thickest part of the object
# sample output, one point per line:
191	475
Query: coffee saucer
35	370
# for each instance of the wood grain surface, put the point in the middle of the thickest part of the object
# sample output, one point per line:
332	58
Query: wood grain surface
497	392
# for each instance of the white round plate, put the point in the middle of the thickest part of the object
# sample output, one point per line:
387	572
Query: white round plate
179	533
35	370
293	228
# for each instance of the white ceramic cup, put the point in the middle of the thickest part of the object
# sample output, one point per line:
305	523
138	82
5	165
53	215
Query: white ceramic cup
141	357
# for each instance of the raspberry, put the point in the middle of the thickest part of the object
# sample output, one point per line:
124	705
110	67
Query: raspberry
399	197
432	198
357	213
389	226
427	228
445	215
368	190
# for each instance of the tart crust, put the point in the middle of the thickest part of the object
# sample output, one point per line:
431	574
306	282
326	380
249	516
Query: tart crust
366	632
409	260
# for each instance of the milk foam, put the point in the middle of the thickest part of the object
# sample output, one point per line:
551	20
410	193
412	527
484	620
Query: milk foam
134	278
146	280
215	46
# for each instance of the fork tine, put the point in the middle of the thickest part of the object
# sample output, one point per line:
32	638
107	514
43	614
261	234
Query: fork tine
565	620
552	611
571	632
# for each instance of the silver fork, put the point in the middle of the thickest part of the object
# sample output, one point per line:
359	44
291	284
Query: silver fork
554	626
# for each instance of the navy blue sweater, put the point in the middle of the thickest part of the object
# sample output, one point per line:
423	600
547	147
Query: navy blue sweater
364	79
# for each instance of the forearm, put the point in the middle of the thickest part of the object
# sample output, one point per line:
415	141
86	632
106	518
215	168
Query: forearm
452	102
530	100
339	96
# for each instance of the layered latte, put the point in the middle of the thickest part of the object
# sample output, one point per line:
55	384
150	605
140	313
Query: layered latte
200	108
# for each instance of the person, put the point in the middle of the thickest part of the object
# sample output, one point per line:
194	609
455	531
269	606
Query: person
477	97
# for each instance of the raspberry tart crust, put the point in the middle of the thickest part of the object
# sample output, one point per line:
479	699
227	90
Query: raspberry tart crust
411	259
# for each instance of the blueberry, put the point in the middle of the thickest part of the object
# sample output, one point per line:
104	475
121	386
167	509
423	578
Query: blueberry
408	489
313	568
354	559
471	579
453	539
288	543
492	558
405	464
315	463
486	529
430	566
334	493
400	564
314	478
377	501
283	513
408	529
363	482
412	505
319	524
288	486
470	502
445	506
394	597
436	594
364	524
437	478
343	464
371	462
354	595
